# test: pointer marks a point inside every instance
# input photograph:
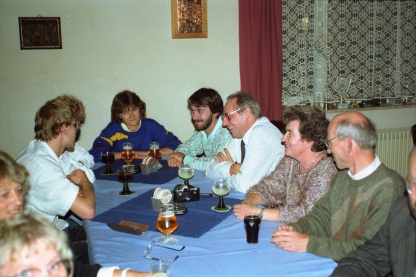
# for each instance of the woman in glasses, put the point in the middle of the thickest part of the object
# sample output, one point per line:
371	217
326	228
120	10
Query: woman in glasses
301	178
129	124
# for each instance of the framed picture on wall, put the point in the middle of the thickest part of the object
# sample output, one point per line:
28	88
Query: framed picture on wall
40	33
189	19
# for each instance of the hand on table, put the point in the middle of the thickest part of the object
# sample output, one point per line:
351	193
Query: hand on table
140	154
240	210
175	159
286	238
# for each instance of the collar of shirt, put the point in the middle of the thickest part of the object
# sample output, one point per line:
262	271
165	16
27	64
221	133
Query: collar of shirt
212	134
125	128
366	171
259	121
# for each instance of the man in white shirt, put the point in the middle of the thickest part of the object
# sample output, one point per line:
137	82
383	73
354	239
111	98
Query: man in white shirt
209	138
60	178
255	148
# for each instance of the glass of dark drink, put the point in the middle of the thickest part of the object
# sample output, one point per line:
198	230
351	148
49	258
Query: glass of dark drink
252	225
107	157
125	175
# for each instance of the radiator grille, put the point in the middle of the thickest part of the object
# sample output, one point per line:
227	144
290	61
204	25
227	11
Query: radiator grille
393	148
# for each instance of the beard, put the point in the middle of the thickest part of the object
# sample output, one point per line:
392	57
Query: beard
204	126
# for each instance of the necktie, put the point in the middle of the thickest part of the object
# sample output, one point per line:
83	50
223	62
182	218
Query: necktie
243	150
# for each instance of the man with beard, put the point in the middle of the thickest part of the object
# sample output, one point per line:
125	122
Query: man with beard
392	249
206	108
255	149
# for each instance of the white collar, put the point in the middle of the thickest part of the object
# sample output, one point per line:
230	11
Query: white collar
366	171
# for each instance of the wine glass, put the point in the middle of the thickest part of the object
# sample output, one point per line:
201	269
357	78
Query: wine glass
186	173
128	154
221	188
107	157
125	175
154	151
167	223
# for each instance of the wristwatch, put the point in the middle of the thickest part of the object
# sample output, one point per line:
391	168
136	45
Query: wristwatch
261	213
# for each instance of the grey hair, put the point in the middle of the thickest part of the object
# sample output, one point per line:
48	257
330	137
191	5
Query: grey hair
246	101
363	132
25	230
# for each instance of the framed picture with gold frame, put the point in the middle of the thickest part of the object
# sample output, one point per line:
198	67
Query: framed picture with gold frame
40	33
189	19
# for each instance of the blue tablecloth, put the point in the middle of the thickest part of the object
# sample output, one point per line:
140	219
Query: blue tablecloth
163	175
221	251
197	221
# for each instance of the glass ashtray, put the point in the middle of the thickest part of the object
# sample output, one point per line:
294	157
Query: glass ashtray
179	209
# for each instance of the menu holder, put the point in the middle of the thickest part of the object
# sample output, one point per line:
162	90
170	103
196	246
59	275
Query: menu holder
129	227
156	203
149	165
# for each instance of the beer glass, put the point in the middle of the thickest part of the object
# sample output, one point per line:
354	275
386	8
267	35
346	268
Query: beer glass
154	151
125	175
167	223
107	157
221	188
128	154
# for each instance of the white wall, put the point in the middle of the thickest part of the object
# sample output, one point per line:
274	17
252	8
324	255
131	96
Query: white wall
109	46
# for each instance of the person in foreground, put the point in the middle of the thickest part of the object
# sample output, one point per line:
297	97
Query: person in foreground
31	246
301	178
393	249
60	176
358	200
209	138
14	185
255	148
129	124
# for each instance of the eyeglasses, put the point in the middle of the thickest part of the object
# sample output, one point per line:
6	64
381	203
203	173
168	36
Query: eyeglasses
329	142
62	268
409	184
76	125
227	115
152	245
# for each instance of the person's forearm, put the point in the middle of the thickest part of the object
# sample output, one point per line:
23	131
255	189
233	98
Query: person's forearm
253	199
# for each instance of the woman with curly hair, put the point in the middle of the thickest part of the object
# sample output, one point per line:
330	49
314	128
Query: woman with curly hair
301	178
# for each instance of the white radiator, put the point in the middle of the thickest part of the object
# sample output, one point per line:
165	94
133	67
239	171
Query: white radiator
393	148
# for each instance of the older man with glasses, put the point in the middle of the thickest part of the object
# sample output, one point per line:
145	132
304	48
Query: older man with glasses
358	200
60	175
254	149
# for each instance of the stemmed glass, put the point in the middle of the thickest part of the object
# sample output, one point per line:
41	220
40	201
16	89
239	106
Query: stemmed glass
128	154
167	223
186	173
125	175
107	157
221	188
154	151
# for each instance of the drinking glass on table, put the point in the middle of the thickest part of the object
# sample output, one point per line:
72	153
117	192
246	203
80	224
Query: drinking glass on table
167	223
128	154
221	188
125	175
107	157
154	151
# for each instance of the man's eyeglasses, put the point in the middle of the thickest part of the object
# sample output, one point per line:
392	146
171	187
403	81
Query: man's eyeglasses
227	115
60	268
76	125
329	142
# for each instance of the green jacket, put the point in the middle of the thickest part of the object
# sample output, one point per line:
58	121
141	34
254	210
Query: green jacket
351	212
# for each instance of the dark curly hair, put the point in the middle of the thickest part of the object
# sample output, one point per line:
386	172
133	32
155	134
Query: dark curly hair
313	125
124	100
207	97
